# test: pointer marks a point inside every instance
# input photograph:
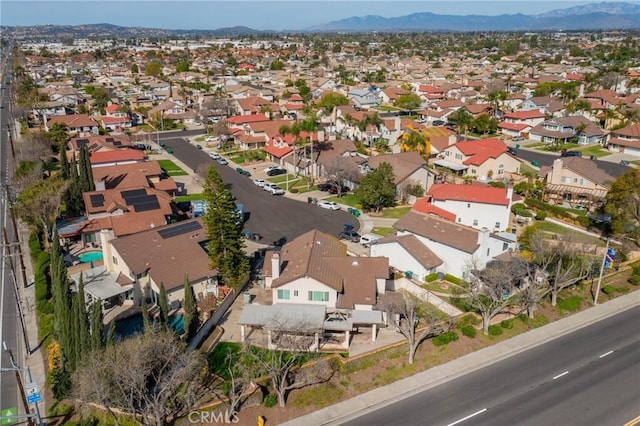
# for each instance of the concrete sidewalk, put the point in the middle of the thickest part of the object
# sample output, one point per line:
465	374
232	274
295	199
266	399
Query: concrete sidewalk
387	395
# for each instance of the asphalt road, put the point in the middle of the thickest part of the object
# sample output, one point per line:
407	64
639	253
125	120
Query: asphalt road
613	169
589	377
9	330
273	217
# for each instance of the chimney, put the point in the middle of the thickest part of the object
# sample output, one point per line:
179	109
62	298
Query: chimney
275	265
100	185
509	194
556	172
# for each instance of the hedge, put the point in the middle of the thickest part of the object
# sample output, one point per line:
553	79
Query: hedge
468	330
520	210
431	277
445	338
495	330
556	211
453	279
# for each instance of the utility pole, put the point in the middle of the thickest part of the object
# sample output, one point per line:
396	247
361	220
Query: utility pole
604	260
16	369
23	269
16	293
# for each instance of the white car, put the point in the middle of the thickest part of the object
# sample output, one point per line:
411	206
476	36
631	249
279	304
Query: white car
222	161
259	182
212	139
273	189
329	205
214	155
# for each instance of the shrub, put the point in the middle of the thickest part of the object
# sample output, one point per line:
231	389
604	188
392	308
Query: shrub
445	338
468	319
294	190
541	215
608	289
270	401
431	277
453	279
634	280
520	210
495	330
507	324
468	330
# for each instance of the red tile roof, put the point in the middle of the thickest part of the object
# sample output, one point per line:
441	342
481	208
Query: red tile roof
524	115
469	193
243	119
481	150
423	205
112	108
115	156
513	126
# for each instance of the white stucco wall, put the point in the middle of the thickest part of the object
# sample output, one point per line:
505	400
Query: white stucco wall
399	259
303	286
486	214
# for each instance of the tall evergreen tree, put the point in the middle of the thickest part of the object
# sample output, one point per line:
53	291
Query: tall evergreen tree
97	326
82	322
88	171
65	167
146	321
82	170
191	314
61	302
164	306
226	245
73	195
111	333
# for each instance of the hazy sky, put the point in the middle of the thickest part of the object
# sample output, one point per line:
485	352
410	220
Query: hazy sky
258	14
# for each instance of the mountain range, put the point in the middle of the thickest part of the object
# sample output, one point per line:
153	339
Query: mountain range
592	16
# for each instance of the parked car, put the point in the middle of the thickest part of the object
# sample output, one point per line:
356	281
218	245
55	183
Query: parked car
259	182
273	189
571	154
438	123
367	239
329	205
517	138
242	171
512	151
212	139
334	189
199	146
276	172
214	155
324	187
268	169
222	161
350	236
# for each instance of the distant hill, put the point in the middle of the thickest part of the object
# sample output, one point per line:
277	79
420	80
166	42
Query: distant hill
593	16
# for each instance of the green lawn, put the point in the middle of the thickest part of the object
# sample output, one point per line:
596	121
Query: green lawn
396	212
348	199
387	108
189	197
382	231
171	168
594	150
526	170
282	178
553	228
200	138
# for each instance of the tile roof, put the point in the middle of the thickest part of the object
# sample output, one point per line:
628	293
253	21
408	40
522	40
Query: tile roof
243	119
439	230
523	115
415	248
631	130
168	260
588	169
513	126
102	157
423	205
481	150
404	164
359	276
127	175
73	121
469	193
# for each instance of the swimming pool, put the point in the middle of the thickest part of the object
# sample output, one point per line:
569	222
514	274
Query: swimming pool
90	256
132	325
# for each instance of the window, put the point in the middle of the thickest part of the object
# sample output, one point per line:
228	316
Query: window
319	296
475	222
498	225
283	294
295	293
488	252
458	156
581	181
468	205
459	219
473	171
505	246
114	260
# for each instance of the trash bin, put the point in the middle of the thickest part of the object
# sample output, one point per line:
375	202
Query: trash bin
246	297
356	212
309	200
408	274
517	146
440	276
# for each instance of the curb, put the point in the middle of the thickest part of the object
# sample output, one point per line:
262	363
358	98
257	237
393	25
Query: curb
380	397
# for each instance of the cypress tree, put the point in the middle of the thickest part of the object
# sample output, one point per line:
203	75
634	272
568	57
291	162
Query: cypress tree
164	306
64	163
97	326
82	170
145	317
82	323
111	333
191	317
226	245
87	170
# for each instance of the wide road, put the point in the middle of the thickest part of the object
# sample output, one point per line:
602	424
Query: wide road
9	330
544	159
276	218
589	377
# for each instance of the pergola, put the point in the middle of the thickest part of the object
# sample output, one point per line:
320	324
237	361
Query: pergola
574	195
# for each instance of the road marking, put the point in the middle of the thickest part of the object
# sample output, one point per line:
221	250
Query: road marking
468	417
560	375
605	354
633	422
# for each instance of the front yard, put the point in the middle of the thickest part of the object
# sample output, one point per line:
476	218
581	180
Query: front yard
595	150
171	168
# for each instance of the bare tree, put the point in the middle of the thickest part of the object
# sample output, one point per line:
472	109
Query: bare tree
149	376
491	291
237	387
221	128
415	320
341	170
284	365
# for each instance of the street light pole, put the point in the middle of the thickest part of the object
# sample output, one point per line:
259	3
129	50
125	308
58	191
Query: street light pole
16	292
604	259
19	380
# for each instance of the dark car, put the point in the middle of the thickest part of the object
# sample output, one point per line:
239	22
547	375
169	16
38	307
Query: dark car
334	189
242	171
276	172
571	154
349	236
438	123
324	187
512	151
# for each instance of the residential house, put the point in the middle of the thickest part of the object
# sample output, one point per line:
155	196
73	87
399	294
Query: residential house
97	143
253	105
391	94
409	168
531	117
477	206
626	139
545	104
167	255
439	245
342	155
365	97
116	157
76	123
561	130
575	181
482	159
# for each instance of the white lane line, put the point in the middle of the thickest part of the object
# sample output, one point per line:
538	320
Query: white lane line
605	354
468	417
560	375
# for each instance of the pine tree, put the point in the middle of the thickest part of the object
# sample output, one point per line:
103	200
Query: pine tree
146	321
97	326
226	245
164	306
191	314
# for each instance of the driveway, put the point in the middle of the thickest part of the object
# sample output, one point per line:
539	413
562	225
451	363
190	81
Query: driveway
273	217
